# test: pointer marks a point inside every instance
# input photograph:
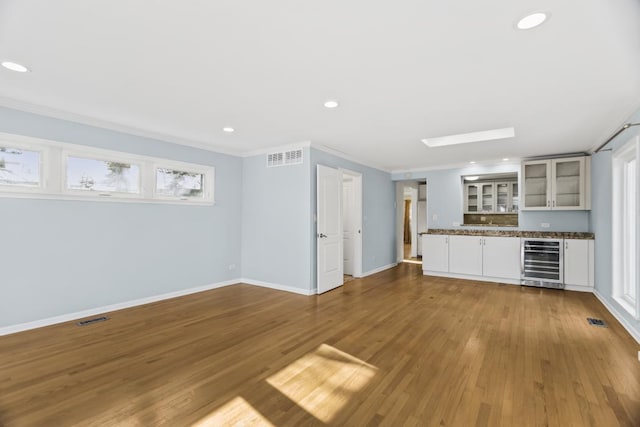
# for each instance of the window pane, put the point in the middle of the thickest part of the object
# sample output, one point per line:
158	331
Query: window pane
102	175
19	167
175	183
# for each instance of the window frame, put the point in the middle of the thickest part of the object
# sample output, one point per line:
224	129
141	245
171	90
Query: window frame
208	176
102	156
53	174
44	154
622	279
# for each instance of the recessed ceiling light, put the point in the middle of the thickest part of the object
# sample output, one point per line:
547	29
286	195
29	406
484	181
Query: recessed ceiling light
532	20
472	162
465	138
331	104
471	178
14	66
505	159
228	129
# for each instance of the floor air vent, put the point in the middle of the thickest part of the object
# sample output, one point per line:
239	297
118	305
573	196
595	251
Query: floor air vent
596	322
92	321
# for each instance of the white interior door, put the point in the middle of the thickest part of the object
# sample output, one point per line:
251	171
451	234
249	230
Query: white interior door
329	228
348	226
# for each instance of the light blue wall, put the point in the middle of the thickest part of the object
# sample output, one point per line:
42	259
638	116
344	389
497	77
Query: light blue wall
276	215
59	257
601	219
378	210
445	200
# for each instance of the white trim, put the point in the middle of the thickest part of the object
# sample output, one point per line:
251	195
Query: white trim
54	158
466	165
471	277
379	269
577	288
619	317
112	126
110	308
345	156
277	287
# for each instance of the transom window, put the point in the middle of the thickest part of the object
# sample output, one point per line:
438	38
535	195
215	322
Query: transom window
31	167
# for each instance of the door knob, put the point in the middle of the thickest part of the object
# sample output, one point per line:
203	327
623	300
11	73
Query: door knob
322	235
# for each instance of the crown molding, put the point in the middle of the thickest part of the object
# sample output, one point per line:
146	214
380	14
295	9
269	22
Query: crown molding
346	156
112	126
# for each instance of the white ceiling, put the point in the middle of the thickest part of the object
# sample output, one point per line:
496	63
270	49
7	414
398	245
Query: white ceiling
403	70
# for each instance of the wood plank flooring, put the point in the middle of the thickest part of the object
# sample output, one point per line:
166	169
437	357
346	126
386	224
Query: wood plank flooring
394	349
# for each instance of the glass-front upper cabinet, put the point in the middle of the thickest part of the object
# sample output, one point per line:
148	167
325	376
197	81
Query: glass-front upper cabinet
515	200
568	183
556	184
502	197
471	198
488	200
537	185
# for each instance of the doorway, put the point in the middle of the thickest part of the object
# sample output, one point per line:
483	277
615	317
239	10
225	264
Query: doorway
411	203
339	226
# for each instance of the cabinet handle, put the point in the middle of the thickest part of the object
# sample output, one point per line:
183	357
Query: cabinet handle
481	241
548	204
554	203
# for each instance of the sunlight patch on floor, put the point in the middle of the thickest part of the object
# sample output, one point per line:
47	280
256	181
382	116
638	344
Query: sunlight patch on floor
322	382
237	413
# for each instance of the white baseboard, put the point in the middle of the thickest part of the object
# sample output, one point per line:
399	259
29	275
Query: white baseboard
277	287
379	269
109	308
471	277
578	288
623	321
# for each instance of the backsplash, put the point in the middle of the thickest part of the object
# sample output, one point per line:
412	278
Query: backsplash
499	220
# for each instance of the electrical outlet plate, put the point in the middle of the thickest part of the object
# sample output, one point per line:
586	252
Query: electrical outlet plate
545	225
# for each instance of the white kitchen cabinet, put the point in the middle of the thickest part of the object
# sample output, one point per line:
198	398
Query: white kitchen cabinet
501	257
435	252
465	255
556	184
578	262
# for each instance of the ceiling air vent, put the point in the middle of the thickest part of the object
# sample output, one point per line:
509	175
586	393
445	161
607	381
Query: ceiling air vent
285	158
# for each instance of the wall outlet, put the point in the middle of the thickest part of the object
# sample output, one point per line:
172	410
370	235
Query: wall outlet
456	224
545	225
435	217
483	218
232	266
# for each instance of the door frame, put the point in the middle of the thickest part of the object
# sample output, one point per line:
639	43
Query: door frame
357	217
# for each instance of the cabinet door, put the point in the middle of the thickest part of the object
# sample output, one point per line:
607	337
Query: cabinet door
568	183
488	200
465	255
471	199
515	197
576	262
501	257
536	185
503	199
435	252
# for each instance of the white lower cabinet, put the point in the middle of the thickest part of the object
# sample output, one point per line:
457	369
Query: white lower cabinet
492	257
435	252
501	257
465	255
578	262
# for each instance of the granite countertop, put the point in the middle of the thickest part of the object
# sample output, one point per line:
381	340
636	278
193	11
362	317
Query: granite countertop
513	233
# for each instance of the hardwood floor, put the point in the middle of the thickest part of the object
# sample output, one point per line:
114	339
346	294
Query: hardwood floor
394	349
